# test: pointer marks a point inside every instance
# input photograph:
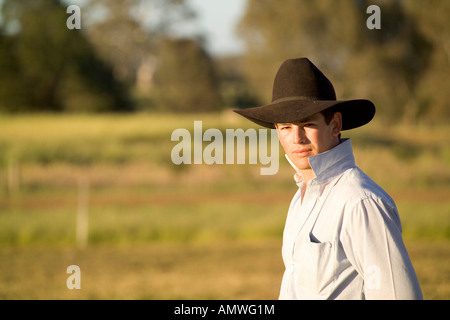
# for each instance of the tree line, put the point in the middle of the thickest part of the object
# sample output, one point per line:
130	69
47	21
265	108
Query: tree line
128	56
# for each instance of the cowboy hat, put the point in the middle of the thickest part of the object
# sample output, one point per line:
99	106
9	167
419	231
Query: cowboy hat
300	90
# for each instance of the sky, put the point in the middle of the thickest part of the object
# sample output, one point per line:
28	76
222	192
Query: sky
217	19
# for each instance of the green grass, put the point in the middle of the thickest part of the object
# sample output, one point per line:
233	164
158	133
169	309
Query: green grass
157	230
425	220
150	219
141	219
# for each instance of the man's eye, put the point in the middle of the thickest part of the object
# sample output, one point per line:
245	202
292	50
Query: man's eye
308	125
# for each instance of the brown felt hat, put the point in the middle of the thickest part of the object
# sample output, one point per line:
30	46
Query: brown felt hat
300	90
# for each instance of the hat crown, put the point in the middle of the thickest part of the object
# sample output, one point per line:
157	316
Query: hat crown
300	90
301	79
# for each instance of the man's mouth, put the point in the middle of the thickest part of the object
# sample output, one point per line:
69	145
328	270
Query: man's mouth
301	153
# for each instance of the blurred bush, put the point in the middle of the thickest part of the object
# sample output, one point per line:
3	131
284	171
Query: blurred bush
46	67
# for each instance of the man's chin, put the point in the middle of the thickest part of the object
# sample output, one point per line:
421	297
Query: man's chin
303	166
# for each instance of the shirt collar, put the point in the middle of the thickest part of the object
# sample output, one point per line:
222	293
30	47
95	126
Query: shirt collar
330	163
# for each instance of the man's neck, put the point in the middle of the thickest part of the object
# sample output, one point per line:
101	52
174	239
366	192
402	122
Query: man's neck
307	174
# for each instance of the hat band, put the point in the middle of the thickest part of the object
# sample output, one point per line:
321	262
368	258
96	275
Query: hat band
293	98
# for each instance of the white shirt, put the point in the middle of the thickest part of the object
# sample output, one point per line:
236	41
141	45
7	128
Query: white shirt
344	241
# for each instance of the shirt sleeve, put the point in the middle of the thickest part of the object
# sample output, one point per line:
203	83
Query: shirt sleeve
373	243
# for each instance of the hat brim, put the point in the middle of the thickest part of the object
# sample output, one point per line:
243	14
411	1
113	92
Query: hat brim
355	113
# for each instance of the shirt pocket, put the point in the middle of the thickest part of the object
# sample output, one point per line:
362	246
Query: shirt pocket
314	268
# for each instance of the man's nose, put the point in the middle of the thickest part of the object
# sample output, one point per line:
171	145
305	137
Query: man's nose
299	135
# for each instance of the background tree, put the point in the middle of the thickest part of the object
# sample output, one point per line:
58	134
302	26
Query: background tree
127	32
234	86
139	39
51	68
433	86
109	64
185	78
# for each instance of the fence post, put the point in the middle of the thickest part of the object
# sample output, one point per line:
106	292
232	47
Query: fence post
83	213
13	176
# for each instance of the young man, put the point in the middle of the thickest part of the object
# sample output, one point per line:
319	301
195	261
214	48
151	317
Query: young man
342	238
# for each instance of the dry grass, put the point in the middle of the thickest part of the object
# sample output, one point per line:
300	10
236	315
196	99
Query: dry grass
233	270
164	271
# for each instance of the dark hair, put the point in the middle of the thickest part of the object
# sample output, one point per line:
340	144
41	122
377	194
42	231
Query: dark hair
328	115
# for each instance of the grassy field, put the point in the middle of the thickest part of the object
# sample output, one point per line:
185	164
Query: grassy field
161	231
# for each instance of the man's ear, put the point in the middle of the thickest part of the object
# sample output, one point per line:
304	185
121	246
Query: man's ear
336	122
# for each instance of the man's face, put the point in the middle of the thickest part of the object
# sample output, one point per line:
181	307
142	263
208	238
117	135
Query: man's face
309	137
